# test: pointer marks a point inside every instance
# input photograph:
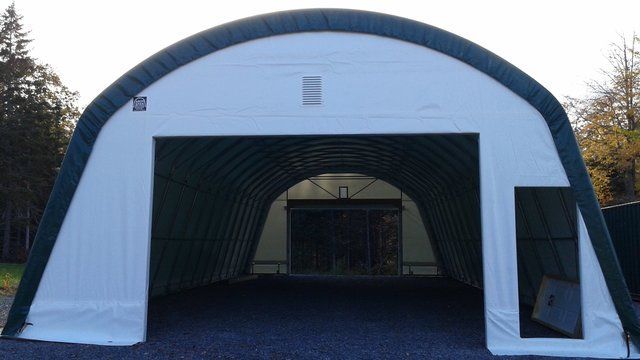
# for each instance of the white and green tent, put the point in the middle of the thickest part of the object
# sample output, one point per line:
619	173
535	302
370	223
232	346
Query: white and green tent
169	176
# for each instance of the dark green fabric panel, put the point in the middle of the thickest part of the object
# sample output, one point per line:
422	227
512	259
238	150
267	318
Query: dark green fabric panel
197	235
623	222
455	218
204	43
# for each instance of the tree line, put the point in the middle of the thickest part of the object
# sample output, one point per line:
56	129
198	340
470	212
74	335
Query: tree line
39	113
36	121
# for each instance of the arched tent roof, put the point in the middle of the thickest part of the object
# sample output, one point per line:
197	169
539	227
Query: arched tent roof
209	41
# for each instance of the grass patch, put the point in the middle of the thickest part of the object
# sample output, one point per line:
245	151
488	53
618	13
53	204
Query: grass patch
10	275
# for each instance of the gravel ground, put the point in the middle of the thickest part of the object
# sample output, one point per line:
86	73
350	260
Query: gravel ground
301	318
5	305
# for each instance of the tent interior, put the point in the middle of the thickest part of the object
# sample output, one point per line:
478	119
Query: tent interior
212	196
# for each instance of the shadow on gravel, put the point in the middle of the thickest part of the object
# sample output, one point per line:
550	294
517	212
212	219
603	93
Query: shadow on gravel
301	317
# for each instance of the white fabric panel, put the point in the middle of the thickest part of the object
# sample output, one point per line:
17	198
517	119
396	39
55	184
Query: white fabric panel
94	288
373	85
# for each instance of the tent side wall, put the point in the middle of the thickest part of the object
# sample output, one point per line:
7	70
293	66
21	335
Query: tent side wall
469	103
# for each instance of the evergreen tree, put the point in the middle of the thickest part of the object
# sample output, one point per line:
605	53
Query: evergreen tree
36	122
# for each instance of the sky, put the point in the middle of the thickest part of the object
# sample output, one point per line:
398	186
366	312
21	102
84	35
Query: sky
561	44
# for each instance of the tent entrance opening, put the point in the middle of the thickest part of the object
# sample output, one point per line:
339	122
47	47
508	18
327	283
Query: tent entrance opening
345	240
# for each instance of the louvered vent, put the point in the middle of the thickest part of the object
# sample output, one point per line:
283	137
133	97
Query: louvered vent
311	90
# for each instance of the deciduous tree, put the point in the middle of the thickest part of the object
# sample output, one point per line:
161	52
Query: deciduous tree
606	125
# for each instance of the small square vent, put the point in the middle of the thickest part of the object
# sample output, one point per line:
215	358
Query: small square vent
311	90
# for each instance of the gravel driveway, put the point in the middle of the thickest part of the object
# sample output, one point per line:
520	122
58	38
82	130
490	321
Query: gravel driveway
5	305
301	318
